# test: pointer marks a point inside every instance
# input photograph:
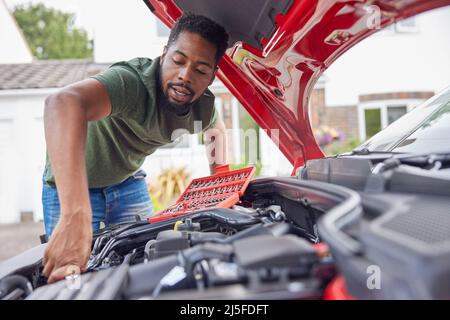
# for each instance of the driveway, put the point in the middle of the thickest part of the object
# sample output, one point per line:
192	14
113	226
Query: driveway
19	237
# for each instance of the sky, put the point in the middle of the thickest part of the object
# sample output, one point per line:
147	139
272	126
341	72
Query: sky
122	29
86	11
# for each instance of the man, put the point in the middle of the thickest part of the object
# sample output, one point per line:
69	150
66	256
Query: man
100	130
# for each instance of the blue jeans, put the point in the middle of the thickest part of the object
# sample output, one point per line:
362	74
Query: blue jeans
121	203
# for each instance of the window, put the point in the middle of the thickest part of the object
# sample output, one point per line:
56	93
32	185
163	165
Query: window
376	118
388	30
161	29
424	129
372	119
377	115
395	112
407	25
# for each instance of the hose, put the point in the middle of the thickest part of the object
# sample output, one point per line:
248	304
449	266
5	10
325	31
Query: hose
14	282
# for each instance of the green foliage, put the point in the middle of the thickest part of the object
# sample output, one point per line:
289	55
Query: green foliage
342	147
258	166
157	205
248	123
373	121
170	184
51	33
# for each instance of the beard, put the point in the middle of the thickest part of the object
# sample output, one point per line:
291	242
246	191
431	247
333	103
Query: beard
179	110
164	102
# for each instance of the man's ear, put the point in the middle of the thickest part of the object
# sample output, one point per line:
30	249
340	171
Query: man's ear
163	55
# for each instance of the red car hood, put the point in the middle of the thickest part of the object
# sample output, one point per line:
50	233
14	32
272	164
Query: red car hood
274	77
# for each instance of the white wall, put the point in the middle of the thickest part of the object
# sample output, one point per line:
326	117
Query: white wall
22	153
274	162
13	46
392	61
194	159
8	186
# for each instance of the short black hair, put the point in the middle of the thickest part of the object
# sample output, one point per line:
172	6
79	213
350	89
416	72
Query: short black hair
205	27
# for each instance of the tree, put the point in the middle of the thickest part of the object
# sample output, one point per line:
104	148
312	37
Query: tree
51	33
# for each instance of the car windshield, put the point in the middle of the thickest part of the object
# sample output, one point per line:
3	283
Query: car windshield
423	130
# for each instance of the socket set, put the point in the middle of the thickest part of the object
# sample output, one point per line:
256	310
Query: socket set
221	190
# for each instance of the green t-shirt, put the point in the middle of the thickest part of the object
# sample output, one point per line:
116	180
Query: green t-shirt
117	145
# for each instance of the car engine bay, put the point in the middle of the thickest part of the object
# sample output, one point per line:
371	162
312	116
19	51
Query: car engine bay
287	238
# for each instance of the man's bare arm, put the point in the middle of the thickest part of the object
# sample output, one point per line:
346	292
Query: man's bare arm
66	115
216	145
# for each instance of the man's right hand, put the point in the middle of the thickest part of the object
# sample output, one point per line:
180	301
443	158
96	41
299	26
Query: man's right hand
66	117
69	246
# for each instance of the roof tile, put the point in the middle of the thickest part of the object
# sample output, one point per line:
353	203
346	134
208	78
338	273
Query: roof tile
47	74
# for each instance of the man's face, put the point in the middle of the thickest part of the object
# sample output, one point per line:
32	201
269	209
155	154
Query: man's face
187	69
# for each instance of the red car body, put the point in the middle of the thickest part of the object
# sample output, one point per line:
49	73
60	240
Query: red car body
274	84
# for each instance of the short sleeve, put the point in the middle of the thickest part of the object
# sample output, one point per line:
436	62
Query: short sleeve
125	89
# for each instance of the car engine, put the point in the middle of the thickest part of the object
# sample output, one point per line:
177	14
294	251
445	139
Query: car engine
287	238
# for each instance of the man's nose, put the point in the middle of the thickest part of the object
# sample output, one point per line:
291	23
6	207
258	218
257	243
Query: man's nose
185	75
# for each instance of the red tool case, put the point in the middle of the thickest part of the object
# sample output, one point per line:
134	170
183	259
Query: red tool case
221	190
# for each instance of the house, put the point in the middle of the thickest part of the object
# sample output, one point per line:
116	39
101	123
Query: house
385	75
349	105
372	112
23	89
